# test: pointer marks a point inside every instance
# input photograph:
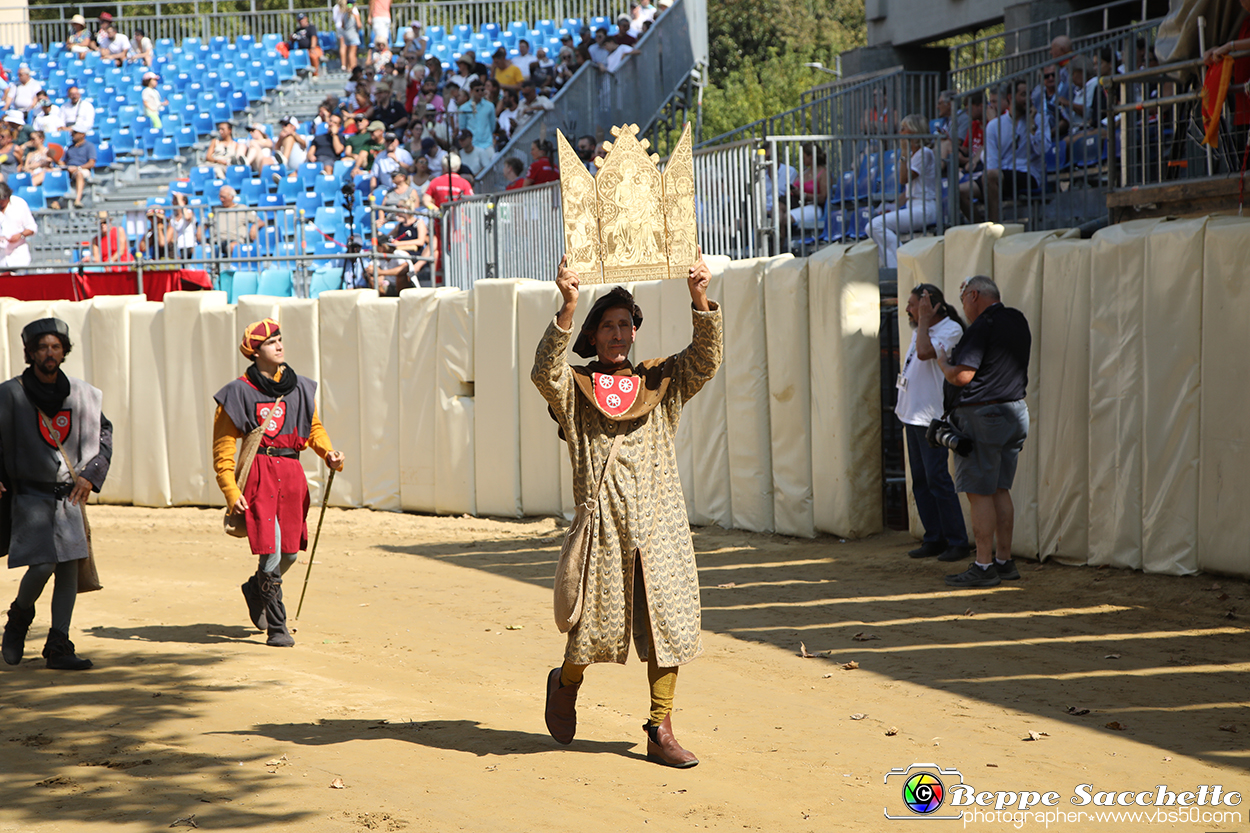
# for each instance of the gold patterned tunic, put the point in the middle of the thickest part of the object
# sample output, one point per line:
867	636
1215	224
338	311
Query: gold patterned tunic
641	507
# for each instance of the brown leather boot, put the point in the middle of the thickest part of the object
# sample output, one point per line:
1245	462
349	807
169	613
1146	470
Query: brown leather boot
561	710
663	748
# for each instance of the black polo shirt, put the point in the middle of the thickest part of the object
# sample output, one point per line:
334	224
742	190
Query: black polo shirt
997	346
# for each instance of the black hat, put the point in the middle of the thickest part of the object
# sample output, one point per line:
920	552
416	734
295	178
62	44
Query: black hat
35	330
618	297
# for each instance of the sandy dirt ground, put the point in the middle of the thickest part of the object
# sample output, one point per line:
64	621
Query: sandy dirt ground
414	697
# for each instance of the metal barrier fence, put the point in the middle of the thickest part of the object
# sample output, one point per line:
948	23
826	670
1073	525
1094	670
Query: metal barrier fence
593	101
730	199
205	19
868	104
280	238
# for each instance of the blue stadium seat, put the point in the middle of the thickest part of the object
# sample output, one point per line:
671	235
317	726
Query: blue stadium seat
184	137
19	180
328	251
308	173
202	123
200	176
308	202
327	188
290	187
519	28
55	184
325	279
254	90
435	34
33	197
236	175
124	142
245	281
574	25
181	186
276	282
342	168
253	189
238	101
105	157
299	59
491	30
245	42
270	41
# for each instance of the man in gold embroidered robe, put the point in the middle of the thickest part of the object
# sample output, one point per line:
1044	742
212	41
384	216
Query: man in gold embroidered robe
641	575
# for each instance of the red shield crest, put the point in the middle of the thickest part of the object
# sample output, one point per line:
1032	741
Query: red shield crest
616	394
61	423
276	416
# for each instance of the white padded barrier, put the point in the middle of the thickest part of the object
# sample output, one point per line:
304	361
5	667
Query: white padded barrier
340	388
109	321
1061	340
1116	396
218	345
496	398
969	251
454	479
844	313
377	347
542	452
1171	362
1018	264
149	460
77	315
17	314
1224	444
418	396
709	440
789	394
745	371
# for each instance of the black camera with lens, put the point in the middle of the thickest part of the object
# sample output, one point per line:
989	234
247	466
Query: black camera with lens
941	434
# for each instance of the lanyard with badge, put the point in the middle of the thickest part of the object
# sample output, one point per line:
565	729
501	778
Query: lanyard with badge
901	384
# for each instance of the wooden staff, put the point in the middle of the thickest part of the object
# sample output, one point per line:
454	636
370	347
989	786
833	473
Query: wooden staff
325	499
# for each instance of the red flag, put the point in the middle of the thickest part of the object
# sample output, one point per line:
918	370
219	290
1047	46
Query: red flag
1214	92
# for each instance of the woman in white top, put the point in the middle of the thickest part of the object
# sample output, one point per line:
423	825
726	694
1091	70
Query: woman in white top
919	206
184	232
152	101
347	25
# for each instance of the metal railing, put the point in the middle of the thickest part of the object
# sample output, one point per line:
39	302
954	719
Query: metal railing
594	101
865	104
205	19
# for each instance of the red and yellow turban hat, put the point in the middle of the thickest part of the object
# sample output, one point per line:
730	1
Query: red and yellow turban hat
257	334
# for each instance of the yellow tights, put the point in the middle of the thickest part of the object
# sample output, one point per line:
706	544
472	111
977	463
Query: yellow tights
663	685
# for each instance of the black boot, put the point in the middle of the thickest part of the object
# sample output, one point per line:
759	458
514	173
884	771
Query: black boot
254	593
15	633
60	653
275	615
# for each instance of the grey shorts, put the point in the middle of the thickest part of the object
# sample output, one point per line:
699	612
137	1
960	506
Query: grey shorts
998	433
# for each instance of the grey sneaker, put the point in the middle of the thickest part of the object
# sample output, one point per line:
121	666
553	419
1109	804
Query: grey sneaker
974	576
1007	569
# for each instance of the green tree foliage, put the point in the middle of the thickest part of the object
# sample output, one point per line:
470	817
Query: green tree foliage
757	49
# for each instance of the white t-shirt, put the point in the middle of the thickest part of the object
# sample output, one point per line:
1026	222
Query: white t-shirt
81	114
50	121
525	63
15	218
920	395
24	98
152	99
476	161
119	45
185	231
924	185
617	57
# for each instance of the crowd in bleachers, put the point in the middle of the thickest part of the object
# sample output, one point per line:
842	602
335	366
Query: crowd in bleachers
1010	144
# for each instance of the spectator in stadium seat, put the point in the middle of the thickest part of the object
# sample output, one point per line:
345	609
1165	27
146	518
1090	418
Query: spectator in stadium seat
17	226
36	160
435	157
10	151
365	151
880	117
524	61
919	206
79	41
328	148
598	51
411	51
586	152
447	187
513	169
1061	54
421	176
389	111
21	96
542	73
152	101
232	227
541	170
508	109
109	245
812	195
184	231
78	110
118	47
531	104
1054	117
47	116
473	160
79	161
478	115
412	235
290	148
391	272
464	75
492	92
434	70
103	24
224	150
971	149
506	74
380	57
391	159
955	132
140	49
617	55
429	107
1014	149
260	149
402	194
305	37
362	102
156	244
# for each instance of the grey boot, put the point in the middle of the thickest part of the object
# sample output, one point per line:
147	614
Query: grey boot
275	615
60	653
255	593
15	630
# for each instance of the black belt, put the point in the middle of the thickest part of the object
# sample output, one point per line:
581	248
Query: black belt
272	451
40	489
987	402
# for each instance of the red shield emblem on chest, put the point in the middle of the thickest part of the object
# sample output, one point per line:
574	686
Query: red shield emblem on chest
616	394
275	414
61	423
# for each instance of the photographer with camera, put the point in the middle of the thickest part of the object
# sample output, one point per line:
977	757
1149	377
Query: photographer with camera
989	366
919	404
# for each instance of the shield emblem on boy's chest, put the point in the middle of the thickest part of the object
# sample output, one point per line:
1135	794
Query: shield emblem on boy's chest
616	394
61	424
275	415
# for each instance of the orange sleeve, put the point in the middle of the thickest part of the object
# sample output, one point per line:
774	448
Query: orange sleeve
225	439
318	439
